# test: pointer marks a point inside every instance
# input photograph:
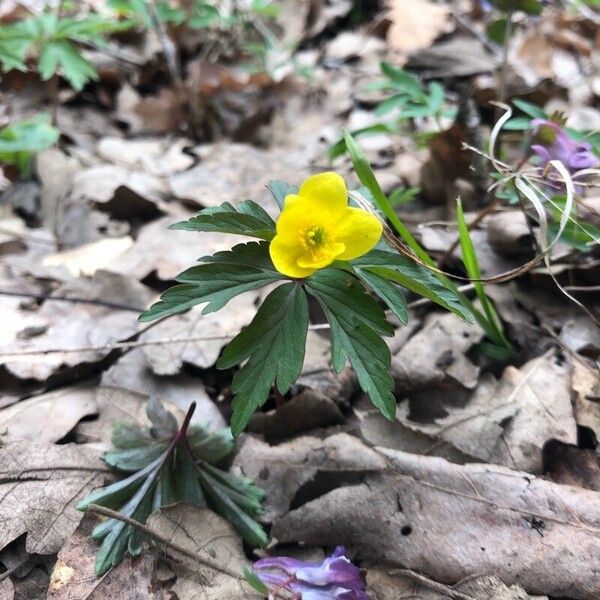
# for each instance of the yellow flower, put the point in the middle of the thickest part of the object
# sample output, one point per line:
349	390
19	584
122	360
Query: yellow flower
316	227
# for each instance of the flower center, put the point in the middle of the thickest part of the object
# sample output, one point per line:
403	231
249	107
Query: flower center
314	238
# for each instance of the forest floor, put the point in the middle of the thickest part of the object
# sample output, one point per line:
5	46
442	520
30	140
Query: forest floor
487	484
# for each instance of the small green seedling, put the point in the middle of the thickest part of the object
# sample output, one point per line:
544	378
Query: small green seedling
21	140
167	464
55	43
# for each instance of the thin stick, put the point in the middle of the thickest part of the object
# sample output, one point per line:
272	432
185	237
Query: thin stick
432	585
138	343
94	301
185	96
476	34
206	561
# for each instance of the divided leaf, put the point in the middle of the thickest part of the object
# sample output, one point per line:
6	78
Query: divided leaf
393	267
357	323
280	189
247	218
387	291
62	54
274	344
170	465
220	278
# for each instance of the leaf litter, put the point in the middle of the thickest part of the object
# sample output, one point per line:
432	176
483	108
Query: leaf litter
451	499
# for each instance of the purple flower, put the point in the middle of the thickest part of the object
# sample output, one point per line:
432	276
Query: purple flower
333	577
555	144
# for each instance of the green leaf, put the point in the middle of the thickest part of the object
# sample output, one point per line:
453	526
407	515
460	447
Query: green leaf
530	109
184	470
387	106
368	179
254	581
403	80
414	277
19	141
436	97
518	124
15	41
531	7
222	277
340	146
61	54
403	195
247	218
280	189
496	30
274	344
493	326
387	291
357	323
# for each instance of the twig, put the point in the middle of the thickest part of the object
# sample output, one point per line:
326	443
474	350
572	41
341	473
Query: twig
138	343
432	585
116	53
185	97
94	301
206	561
129	345
476	34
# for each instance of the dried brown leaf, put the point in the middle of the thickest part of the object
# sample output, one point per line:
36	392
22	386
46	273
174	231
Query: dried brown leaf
282	470
450	521
41	485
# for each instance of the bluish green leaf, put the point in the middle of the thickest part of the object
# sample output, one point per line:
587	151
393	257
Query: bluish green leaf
387	106
280	189
518	124
182	471
530	109
403	80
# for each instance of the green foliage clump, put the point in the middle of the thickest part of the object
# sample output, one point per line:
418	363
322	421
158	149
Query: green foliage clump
21	140
55	43
169	464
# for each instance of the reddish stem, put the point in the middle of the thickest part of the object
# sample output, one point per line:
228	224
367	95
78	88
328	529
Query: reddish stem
182	433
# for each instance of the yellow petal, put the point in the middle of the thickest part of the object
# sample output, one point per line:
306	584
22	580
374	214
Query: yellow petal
326	190
295	217
321	259
284	254
359	231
